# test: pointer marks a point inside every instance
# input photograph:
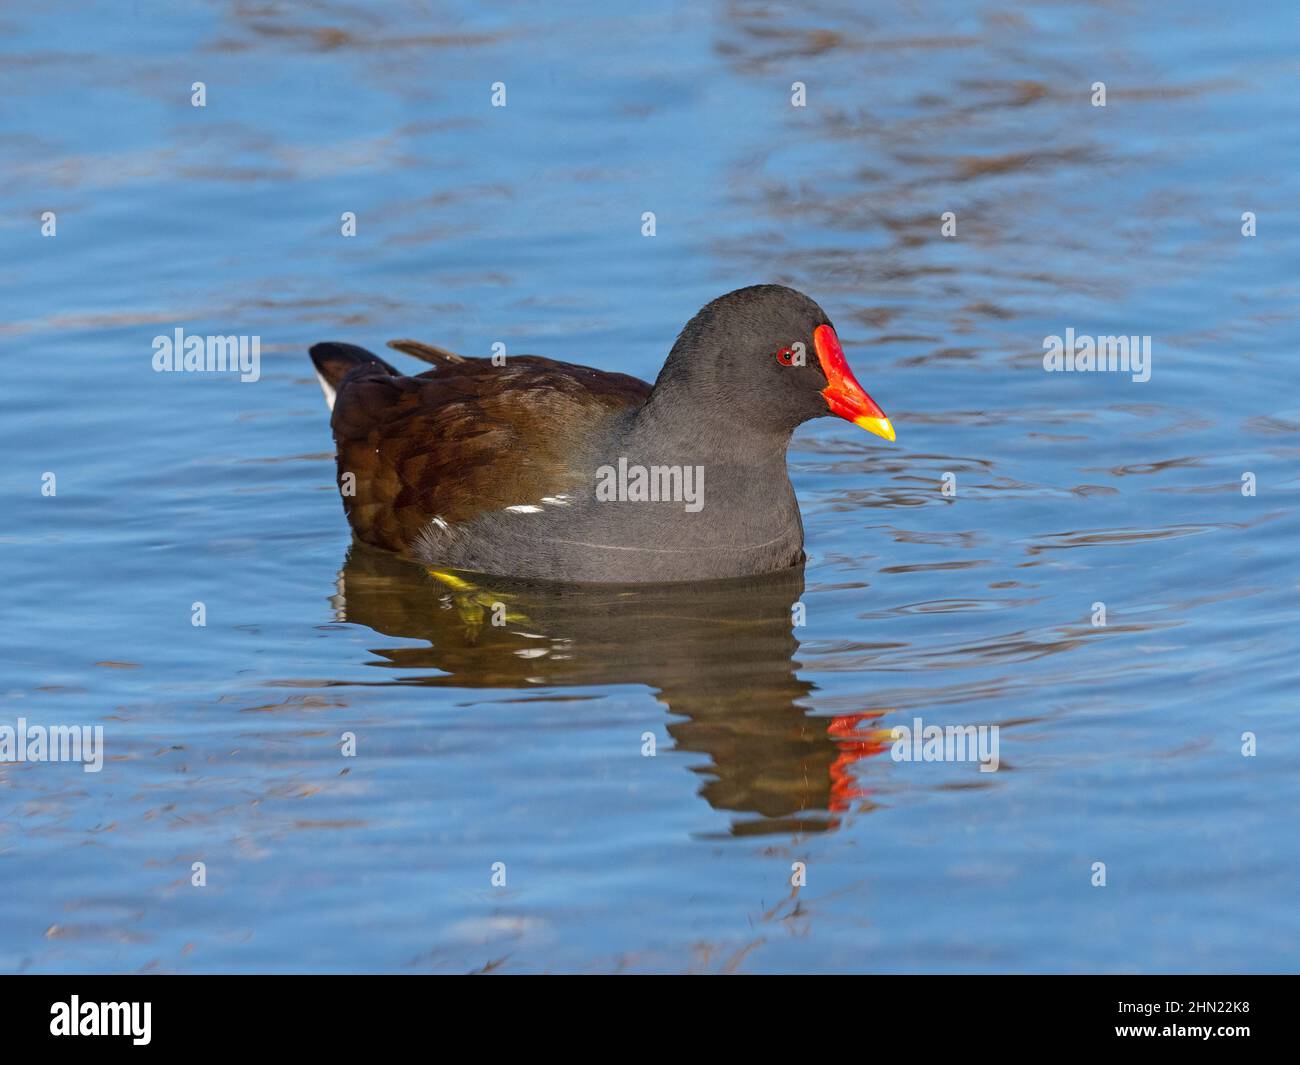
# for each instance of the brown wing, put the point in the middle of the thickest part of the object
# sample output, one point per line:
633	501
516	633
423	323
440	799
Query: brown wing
465	439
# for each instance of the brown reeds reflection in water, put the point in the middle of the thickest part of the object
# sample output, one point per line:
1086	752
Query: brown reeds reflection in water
719	655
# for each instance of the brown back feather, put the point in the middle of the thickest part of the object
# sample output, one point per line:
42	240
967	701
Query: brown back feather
465	439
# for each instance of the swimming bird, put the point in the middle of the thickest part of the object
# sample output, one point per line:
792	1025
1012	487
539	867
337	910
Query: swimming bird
534	468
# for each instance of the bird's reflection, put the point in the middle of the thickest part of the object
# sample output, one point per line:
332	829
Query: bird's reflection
718	654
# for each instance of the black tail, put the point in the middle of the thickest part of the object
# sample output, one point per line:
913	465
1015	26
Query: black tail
334	361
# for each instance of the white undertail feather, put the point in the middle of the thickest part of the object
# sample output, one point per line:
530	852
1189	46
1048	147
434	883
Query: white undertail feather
327	388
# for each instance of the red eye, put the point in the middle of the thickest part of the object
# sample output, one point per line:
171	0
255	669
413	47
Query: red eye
785	356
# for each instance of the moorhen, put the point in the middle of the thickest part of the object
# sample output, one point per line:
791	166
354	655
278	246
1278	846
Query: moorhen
548	470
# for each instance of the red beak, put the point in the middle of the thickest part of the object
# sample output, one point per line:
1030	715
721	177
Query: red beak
843	394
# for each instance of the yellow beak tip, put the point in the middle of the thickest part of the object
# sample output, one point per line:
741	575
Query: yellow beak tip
879	426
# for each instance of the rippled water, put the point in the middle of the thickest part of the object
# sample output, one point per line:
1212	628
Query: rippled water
524	745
